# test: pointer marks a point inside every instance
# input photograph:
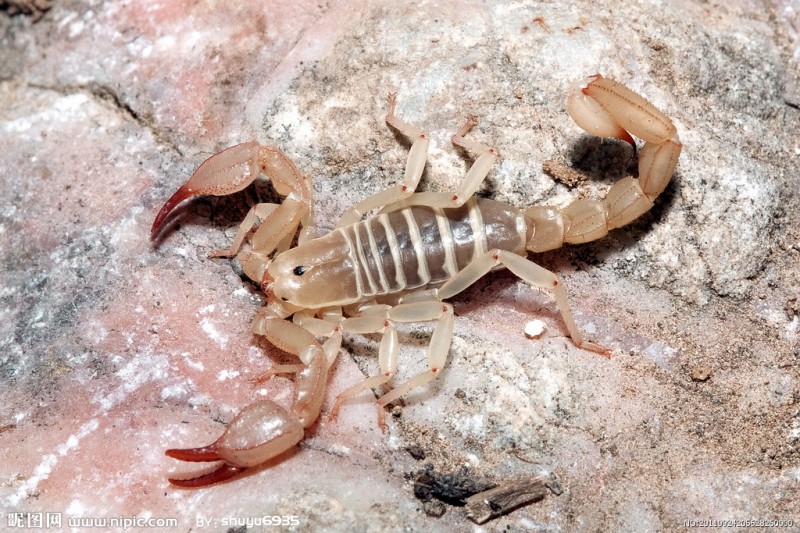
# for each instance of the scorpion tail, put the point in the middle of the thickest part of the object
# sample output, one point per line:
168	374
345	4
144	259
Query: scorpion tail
606	108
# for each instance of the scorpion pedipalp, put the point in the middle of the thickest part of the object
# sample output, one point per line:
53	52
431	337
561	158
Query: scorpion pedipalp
232	170
261	431
229	171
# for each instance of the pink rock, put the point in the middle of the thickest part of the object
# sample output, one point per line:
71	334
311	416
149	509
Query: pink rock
112	350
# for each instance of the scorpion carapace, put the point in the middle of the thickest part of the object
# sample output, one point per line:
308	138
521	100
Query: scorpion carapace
401	264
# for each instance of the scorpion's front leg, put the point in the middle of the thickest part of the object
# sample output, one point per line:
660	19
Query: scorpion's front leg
264	430
417	156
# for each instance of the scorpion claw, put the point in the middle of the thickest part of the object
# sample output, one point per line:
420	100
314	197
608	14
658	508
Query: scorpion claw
180	195
261	431
194	455
223	473
229	171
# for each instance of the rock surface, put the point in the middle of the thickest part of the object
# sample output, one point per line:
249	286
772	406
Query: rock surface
112	350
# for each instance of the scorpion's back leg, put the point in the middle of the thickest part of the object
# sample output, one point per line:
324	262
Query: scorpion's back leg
529	272
401	196
606	108
485	157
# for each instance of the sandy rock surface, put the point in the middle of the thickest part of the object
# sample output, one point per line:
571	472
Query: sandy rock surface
112	350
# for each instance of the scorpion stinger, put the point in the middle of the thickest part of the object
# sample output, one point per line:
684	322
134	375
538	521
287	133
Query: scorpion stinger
604	107
371	274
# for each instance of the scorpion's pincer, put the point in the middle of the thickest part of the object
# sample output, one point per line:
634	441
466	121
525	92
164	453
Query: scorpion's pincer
262	430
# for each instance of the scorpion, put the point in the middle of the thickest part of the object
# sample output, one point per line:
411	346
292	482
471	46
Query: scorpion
401	265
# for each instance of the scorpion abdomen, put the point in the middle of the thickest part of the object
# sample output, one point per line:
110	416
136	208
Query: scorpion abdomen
418	247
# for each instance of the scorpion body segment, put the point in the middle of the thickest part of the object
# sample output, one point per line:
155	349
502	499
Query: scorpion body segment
412	248
368	275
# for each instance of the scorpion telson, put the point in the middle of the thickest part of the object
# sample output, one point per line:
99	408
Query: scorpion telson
400	265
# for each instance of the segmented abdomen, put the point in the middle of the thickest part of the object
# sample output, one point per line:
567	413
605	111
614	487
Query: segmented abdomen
417	246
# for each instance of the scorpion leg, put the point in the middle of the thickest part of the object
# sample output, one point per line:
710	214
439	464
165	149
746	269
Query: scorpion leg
529	272
416	311
606	108
417	156
438	348
370	317
387	361
278	369
257	214
274	233
401	196
486	156
319	327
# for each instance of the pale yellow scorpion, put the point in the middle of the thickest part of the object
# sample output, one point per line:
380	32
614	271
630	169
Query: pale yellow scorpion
400	265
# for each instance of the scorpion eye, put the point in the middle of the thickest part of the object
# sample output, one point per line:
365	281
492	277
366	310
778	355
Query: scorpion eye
299	270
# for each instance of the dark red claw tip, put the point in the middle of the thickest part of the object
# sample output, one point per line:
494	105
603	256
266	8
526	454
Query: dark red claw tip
180	195
223	473
627	138
194	455
594	78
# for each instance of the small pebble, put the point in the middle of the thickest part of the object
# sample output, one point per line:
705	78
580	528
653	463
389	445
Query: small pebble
701	373
535	328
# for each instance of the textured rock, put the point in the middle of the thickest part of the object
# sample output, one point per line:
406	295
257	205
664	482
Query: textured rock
112	350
